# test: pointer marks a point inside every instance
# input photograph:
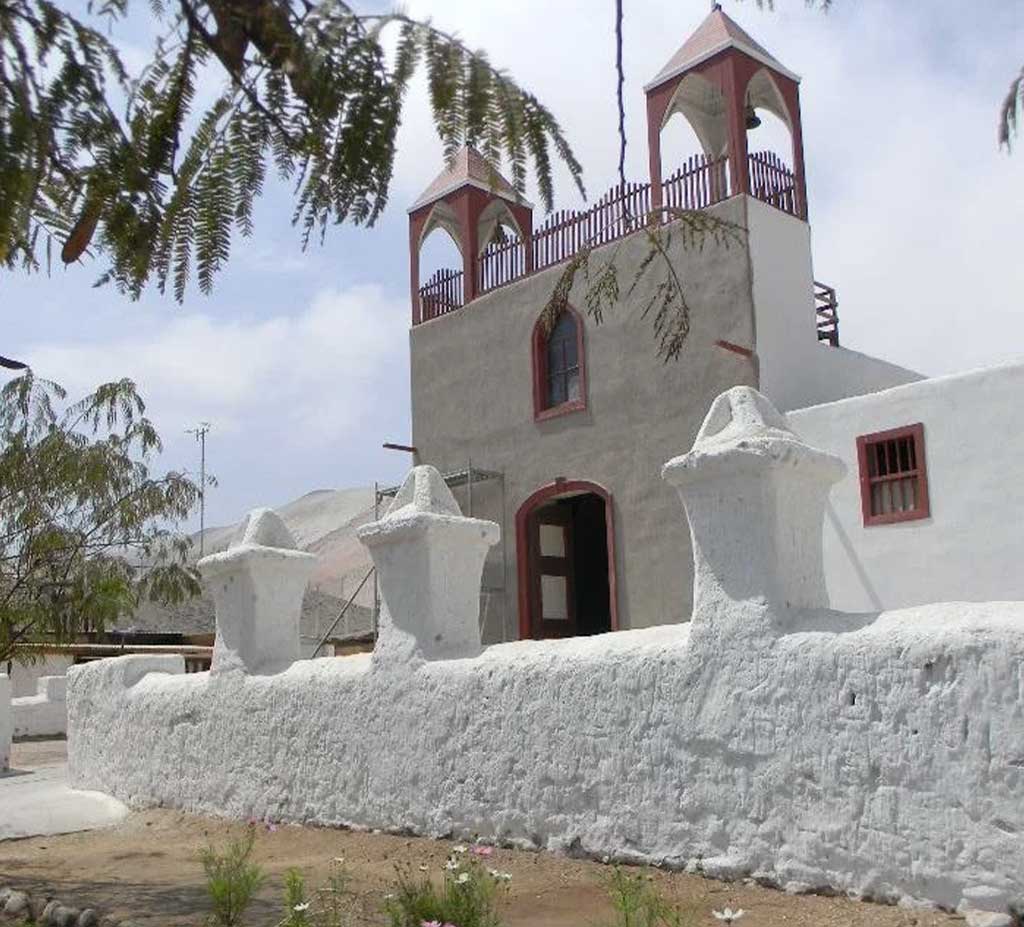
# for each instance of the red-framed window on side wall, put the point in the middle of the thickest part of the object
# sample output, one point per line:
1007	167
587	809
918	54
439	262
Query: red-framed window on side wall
559	366
893	475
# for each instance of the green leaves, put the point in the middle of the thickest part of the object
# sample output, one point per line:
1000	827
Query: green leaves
160	189
86	531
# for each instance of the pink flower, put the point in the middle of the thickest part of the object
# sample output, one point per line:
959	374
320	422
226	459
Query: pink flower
272	828
482	851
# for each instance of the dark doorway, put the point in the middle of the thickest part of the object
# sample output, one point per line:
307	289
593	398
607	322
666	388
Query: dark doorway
567	567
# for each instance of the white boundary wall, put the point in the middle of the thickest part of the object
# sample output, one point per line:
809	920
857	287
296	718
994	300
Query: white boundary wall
6	722
971	547
45	713
880	754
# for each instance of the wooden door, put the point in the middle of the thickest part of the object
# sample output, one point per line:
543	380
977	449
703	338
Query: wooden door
552	579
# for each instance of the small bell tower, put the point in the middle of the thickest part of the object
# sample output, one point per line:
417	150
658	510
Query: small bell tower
717	80
470	200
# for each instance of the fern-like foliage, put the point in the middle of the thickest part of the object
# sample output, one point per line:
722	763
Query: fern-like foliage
667	305
132	169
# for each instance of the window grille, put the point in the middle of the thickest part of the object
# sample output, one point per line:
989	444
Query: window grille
893	475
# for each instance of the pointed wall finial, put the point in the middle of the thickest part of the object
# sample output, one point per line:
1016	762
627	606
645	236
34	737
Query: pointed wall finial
429	560
755	498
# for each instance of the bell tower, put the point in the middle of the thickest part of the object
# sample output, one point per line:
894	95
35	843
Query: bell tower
470	201
718	80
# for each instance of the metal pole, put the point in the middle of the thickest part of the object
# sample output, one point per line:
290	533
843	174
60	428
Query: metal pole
375	617
200	432
469	478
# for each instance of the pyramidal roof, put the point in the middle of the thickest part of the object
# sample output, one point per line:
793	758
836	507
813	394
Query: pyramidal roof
469	167
716	33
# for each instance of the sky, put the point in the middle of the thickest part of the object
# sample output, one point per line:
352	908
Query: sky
299	360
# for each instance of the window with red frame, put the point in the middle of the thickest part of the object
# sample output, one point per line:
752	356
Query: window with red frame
559	377
562	369
893	475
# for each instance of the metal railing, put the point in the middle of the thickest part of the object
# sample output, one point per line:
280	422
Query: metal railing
826	310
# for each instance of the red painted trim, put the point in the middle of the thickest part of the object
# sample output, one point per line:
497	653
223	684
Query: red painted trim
735	348
923	509
539	353
560	487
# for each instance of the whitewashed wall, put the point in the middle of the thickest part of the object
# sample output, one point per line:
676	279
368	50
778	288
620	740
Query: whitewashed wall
6	722
879	754
795	369
25	676
971	548
43	714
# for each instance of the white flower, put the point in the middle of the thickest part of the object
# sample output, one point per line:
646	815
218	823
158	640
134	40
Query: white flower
728	915
500	876
340	860
424	867
459	848
463	878
451	864
302	906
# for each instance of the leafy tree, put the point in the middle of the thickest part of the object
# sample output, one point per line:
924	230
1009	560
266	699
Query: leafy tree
85	530
132	167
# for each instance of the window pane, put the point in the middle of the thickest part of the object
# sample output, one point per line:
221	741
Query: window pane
556	389
573	389
552	541
554	598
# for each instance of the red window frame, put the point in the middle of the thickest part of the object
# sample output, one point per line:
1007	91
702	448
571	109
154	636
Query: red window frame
918	472
539	350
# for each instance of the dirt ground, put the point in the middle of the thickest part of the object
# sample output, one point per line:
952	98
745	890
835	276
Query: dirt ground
146	868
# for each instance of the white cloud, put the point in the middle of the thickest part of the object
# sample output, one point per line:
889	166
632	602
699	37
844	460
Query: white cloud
312	373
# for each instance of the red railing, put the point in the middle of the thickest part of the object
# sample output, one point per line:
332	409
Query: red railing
699	183
773	182
441	293
501	263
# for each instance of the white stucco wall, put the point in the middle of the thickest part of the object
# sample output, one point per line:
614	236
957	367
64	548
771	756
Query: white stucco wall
971	548
25	676
43	714
880	754
6	722
795	369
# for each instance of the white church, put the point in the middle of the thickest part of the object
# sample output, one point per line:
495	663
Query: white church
557	433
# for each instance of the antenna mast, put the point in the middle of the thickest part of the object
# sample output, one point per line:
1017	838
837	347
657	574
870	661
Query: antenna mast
200	431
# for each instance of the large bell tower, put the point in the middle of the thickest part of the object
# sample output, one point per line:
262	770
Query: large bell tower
717	81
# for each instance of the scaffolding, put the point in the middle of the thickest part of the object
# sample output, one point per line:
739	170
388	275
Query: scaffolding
464	477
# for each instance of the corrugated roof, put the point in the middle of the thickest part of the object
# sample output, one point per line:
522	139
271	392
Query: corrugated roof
469	167
716	32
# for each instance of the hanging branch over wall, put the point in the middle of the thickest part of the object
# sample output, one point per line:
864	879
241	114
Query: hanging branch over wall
133	170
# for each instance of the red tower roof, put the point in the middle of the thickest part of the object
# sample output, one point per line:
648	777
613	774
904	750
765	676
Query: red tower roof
469	168
716	33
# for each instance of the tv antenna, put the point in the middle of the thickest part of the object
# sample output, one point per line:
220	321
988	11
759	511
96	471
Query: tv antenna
200	431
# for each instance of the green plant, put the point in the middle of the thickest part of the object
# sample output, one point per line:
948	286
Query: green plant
80	512
327	908
232	879
637	902
468	896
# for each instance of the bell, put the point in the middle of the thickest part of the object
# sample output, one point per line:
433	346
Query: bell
753	120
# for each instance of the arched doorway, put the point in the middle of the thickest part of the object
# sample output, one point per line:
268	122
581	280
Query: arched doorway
565	553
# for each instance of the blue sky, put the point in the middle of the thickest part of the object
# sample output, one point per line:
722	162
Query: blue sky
300	360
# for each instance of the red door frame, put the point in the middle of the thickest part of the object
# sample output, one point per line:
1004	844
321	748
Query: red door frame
543	495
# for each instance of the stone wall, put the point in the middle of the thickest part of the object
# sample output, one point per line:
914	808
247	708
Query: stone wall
878	754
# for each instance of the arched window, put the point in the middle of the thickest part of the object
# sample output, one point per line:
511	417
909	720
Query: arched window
559	376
